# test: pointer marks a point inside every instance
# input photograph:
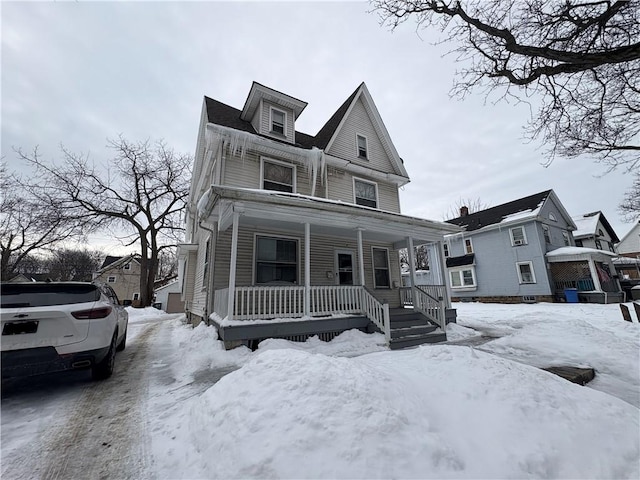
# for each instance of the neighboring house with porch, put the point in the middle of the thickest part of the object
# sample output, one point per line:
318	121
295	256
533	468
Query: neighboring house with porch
524	251
291	235
122	274
593	230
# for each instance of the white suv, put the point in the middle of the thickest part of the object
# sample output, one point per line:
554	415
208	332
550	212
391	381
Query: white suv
54	326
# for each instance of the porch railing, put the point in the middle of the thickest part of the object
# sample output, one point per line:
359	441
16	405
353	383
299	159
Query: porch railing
432	307
266	302
587	285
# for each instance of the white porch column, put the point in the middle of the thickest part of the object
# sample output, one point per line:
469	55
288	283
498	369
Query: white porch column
360	257
594	276
444	274
232	265
412	270
307	269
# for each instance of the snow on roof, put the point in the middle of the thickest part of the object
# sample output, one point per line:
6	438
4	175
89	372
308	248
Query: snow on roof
559	252
586	225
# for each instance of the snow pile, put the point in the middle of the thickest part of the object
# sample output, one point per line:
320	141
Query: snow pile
433	412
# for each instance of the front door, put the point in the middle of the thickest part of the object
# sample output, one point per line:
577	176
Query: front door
344	267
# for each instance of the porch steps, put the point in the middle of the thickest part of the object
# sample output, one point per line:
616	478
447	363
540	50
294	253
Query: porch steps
410	329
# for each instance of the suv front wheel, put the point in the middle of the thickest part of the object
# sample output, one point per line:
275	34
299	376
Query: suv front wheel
104	368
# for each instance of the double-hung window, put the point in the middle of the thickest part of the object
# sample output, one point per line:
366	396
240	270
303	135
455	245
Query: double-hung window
276	260
278	119
365	193
518	236
525	272
468	246
546	233
361	142
565	237
462	277
278	176
380	267
445	248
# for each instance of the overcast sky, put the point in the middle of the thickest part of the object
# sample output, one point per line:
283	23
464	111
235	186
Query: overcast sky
79	73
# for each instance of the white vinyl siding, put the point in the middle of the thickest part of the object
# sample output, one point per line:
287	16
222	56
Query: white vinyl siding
358	122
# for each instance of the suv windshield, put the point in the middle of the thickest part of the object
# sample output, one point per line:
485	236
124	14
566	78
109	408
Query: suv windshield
15	295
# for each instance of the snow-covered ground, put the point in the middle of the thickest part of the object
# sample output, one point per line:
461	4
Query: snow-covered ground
476	407
352	409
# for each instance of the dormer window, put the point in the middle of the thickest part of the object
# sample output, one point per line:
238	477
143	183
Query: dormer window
278	119
362	146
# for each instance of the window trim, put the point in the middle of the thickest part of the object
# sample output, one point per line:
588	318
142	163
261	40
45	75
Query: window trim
111	279
373	267
566	238
254	273
445	250
366	146
294	173
135	296
469	246
459	271
271	122
546	233
205	263
533	273
524	236
355	199
127	266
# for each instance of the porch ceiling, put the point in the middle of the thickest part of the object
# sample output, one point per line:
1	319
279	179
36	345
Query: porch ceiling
291	212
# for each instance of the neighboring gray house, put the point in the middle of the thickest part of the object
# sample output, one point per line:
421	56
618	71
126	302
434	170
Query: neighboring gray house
629	246
524	251
122	274
291	235
593	230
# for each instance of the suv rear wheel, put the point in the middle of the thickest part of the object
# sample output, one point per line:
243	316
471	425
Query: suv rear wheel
104	368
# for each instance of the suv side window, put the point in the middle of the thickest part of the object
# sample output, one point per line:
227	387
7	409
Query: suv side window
111	294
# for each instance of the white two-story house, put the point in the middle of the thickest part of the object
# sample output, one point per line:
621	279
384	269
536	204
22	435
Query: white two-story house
291	235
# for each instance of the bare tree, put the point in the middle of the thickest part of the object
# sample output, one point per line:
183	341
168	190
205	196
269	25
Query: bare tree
67	264
465	206
142	190
630	205
31	223
167	264
581	58
420	255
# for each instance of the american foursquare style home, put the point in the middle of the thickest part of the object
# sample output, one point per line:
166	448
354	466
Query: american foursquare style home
291	235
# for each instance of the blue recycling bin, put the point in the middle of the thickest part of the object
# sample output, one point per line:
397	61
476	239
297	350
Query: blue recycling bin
571	295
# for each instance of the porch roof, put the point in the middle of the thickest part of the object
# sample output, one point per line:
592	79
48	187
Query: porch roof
573	254
291	211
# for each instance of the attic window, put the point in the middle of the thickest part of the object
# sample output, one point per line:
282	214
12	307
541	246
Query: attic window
362	146
278	118
552	217
127	266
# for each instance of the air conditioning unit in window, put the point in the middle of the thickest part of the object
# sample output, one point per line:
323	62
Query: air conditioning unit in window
518	242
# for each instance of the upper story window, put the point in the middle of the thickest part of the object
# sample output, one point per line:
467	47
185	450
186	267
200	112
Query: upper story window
365	193
278	176
362	146
565	237
278	120
445	248
381	268
127	266
546	233
552	217
276	260
463	278
111	279
518	236
468	246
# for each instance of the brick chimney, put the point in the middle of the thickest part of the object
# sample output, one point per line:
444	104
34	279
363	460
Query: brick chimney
464	211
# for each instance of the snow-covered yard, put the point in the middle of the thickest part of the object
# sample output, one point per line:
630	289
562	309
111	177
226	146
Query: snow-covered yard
352	409
179	406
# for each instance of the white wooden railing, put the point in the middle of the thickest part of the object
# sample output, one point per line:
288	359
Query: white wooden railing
267	302
377	312
430	301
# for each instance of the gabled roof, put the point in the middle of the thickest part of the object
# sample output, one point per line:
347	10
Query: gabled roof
227	116
635	228
587	226
259	92
518	209
112	262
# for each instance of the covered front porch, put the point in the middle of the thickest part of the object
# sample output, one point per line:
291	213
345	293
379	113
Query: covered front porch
585	275
343	268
